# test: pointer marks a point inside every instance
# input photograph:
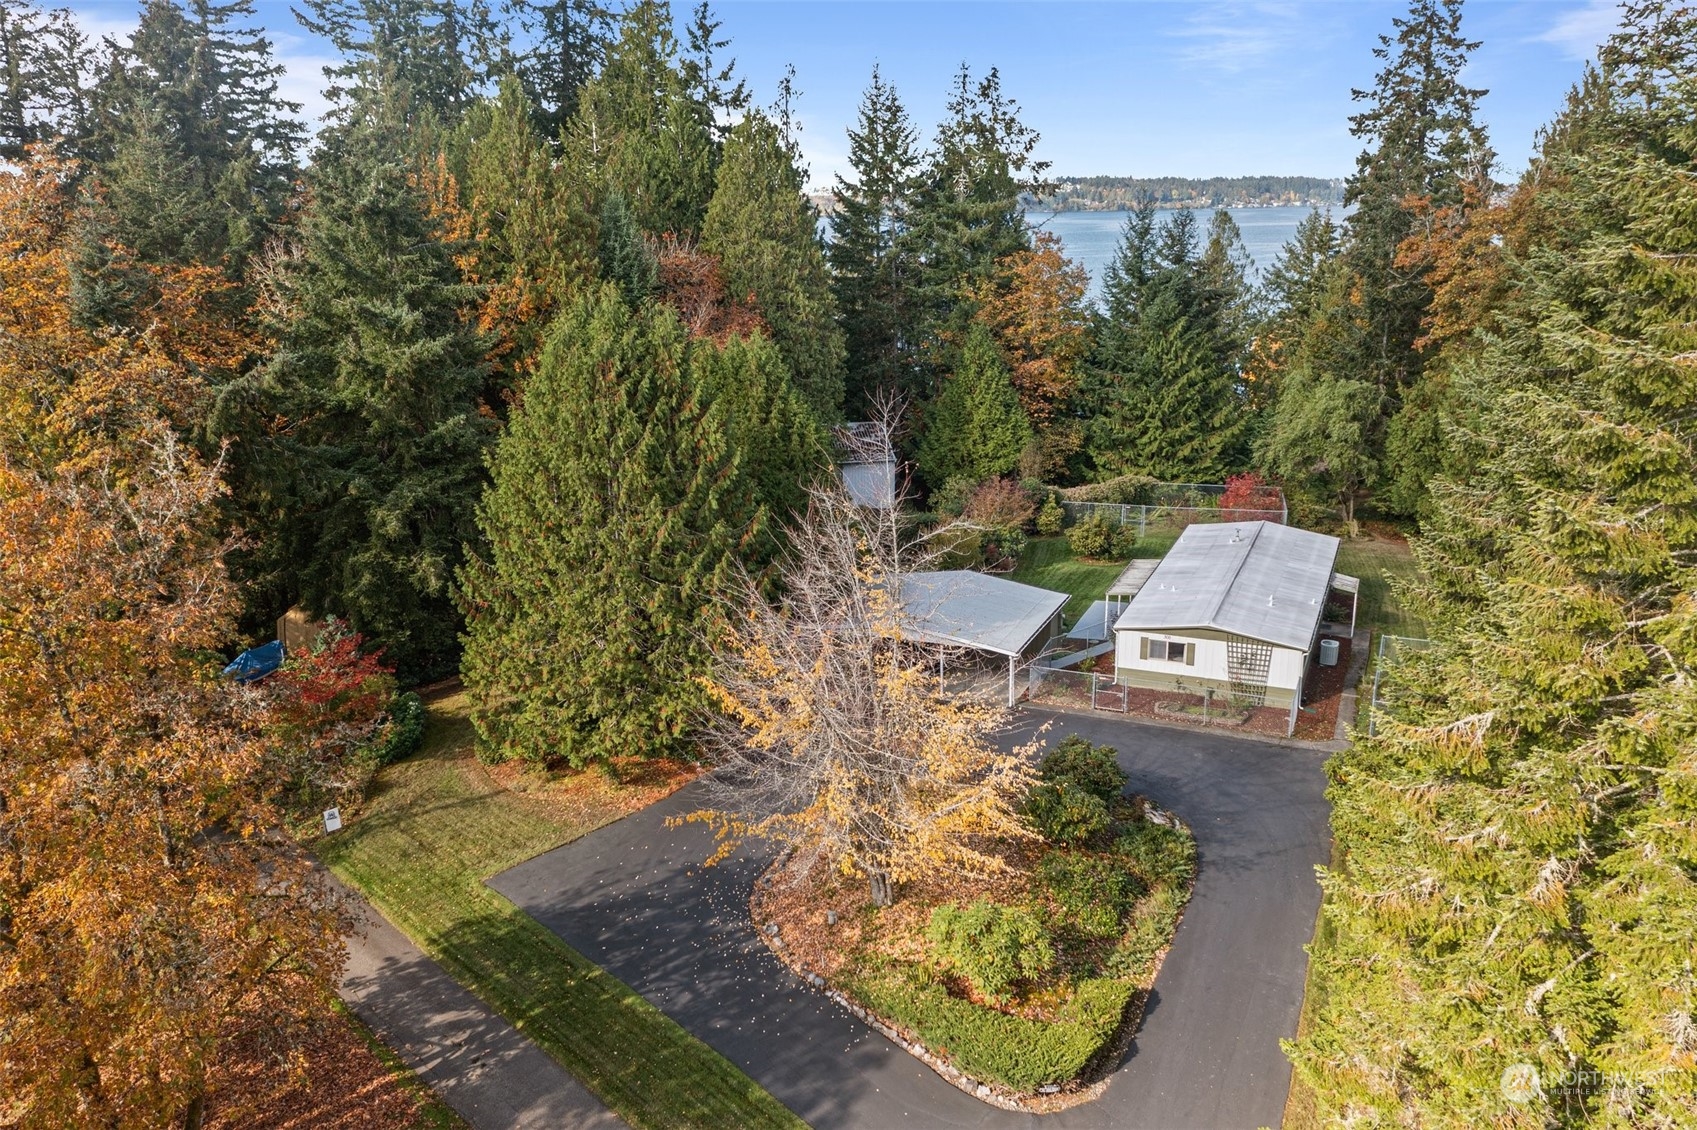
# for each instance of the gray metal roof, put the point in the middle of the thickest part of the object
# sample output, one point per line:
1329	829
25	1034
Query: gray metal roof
1133	577
958	606
1256	579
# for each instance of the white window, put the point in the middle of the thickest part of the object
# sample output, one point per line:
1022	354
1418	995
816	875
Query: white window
1168	651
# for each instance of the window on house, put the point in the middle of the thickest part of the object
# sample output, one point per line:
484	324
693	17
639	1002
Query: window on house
1175	651
1169	651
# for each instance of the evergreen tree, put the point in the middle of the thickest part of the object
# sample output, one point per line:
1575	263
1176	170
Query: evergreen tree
1517	839
642	130
442	54
1163	381
966	214
717	87
612	521
783	448
368	482
569	40
871	278
532	236
975	429
1167	403
45	64
765	233
625	260
1225	268
195	150
1424	147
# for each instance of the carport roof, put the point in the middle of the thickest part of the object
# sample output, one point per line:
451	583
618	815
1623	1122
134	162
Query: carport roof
958	606
1259	580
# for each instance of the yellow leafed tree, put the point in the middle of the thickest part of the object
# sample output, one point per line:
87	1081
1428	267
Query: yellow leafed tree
838	738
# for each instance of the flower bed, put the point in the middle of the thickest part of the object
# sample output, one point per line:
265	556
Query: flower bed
1021	987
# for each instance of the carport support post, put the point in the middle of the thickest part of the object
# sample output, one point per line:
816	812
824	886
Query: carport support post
1013	695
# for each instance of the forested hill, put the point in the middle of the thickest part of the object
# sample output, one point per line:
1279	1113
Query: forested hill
1109	194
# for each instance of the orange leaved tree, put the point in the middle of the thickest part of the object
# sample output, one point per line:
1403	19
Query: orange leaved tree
1035	310
149	908
837	737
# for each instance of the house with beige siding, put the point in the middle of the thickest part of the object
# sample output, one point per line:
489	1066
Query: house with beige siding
1233	610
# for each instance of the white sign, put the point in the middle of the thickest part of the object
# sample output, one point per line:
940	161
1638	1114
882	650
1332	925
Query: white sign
332	819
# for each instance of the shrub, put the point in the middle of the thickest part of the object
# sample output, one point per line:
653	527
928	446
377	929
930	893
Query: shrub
1164	857
1050	517
1249	497
1063	813
1000	504
1092	894
1153	921
990	945
951	498
1123	541
1093	536
1001	548
1124	490
1093	768
1011	1050
404	731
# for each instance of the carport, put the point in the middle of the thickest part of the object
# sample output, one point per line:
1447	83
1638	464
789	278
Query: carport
991	615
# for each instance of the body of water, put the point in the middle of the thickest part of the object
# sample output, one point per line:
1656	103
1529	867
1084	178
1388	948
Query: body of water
1091	238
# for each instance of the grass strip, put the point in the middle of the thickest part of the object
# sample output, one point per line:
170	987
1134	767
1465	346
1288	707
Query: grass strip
435	828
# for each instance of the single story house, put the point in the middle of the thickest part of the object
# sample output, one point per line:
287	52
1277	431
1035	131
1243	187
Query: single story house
1233	609
995	617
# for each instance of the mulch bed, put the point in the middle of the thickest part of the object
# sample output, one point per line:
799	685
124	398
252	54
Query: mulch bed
333	1081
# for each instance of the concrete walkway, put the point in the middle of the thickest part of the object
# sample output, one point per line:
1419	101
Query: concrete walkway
633	898
477	1062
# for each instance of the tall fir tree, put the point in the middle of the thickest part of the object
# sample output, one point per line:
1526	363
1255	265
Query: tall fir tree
569	38
966	214
713	79
46	76
640	127
1516	842
613	520
872	274
368	478
443	54
531	235
1163	383
194	149
1424	147
975	429
765	232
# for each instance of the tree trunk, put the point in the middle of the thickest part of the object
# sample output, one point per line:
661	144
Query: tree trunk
880	889
195	1115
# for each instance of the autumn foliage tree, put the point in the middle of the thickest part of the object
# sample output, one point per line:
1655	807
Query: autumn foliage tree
148	911
1035	310
842	740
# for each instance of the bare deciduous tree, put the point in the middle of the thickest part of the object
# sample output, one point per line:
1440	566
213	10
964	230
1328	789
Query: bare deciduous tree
837	736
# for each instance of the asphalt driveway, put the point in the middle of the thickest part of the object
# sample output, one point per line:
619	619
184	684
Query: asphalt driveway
634	898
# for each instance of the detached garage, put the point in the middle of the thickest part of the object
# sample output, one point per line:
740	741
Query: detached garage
1232	610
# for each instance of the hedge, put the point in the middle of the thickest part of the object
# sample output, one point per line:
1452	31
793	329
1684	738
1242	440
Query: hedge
1010	1050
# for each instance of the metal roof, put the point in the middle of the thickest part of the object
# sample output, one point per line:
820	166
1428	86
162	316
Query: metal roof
1260	580
1132	579
958	606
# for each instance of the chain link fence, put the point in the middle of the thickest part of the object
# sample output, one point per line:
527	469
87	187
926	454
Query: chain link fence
1384	661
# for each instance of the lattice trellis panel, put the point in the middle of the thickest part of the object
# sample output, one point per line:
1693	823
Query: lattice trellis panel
1247	665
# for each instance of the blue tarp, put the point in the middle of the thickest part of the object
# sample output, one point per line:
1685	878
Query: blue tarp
256	662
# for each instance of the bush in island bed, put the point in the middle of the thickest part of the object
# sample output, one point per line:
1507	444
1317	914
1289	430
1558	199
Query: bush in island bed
990	945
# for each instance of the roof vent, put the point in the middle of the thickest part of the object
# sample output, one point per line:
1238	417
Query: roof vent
1269	600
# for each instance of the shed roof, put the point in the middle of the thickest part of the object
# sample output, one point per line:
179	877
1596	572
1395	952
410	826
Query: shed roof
1259	580
958	606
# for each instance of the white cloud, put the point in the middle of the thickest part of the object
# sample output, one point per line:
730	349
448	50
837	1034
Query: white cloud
1580	31
1236	37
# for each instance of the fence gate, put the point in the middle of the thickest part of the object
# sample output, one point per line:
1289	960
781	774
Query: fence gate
1247	665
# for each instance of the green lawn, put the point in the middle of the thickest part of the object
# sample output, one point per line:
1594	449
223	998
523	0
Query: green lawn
436	827
1372	559
1048	563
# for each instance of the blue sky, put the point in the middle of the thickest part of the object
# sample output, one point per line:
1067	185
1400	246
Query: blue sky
1135	87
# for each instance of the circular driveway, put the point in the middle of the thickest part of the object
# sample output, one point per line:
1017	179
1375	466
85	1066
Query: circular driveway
633	898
